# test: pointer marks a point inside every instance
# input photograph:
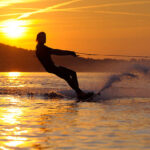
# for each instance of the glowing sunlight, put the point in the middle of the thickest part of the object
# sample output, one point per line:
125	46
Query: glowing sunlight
14	28
14	74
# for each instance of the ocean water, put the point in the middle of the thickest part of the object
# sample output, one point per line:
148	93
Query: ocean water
39	111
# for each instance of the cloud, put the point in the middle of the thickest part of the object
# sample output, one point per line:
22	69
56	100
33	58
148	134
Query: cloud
12	14
4	3
48	9
122	13
56	8
25	8
114	4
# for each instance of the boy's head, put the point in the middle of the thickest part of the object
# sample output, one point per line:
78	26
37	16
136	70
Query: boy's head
41	38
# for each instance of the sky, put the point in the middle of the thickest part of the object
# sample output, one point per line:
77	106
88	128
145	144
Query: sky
107	27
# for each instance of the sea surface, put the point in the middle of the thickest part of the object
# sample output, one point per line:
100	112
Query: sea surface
39	111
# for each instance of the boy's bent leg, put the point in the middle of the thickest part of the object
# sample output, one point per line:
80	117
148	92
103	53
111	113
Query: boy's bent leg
70	77
72	74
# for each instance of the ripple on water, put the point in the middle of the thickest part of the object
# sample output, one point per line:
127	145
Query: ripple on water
39	123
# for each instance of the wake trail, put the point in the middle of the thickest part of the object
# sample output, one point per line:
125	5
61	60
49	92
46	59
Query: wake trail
132	83
116	78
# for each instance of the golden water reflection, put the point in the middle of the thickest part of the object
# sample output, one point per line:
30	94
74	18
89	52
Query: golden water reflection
14	79
11	118
24	127
14	74
40	124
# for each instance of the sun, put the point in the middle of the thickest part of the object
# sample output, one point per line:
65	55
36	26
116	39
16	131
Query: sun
14	28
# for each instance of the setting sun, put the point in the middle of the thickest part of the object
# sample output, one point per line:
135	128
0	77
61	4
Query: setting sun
14	28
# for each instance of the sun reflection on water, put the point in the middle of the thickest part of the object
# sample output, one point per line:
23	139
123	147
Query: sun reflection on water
3	148
16	141
14	74
58	124
37	123
14	79
11	117
18	131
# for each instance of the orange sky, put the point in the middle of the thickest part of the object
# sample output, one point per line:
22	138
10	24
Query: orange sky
110	27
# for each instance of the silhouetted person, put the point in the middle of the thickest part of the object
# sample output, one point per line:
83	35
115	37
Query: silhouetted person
44	55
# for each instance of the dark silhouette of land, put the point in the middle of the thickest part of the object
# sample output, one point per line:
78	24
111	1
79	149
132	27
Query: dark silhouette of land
18	59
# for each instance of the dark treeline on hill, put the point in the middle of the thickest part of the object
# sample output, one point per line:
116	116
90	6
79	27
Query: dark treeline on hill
18	59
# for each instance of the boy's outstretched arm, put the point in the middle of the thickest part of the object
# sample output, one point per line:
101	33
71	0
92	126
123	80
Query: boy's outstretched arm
62	52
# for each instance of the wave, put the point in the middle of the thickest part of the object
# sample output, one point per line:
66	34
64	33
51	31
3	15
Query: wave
31	92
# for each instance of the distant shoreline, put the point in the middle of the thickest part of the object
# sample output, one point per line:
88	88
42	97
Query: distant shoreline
21	60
